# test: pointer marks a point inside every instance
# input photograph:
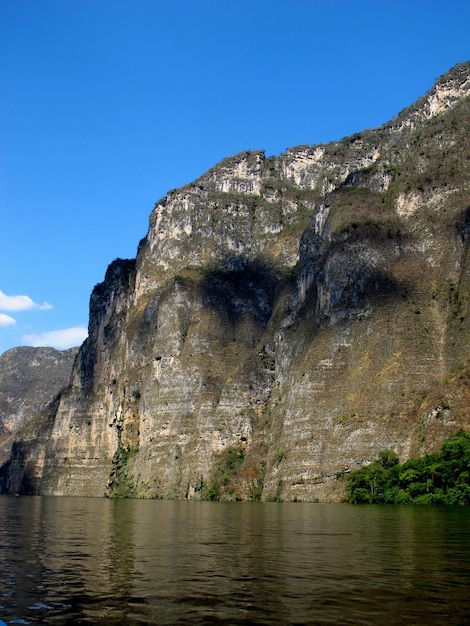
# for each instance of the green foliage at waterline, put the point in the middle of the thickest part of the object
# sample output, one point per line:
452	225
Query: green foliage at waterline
120	484
433	479
224	470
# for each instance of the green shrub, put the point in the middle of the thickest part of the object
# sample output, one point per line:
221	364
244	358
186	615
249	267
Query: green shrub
434	479
225	468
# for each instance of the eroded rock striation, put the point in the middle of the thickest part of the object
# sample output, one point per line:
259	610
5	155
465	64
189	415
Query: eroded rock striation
30	378
30	381
285	319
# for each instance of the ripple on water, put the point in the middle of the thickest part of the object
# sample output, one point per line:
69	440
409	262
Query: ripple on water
148	562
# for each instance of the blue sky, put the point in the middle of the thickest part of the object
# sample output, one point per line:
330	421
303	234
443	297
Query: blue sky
105	105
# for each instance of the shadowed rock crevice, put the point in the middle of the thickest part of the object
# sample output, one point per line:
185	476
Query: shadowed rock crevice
283	321
16	474
463	226
247	291
348	275
108	305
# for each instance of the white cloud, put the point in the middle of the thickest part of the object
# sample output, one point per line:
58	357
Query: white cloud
6	320
20	303
60	339
45	306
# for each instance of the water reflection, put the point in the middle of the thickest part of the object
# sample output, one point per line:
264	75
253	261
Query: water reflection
96	561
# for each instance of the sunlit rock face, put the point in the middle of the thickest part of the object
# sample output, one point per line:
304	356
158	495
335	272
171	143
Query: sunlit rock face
29	380
285	319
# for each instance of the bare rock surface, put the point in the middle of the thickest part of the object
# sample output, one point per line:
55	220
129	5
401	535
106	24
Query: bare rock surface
286	319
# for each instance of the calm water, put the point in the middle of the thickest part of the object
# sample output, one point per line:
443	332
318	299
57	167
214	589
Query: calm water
97	561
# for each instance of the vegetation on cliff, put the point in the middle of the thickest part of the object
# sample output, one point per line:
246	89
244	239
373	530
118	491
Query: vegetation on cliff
285	319
120	484
442	478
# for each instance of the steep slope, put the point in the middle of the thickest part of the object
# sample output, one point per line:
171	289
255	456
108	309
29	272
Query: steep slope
30	378
285	319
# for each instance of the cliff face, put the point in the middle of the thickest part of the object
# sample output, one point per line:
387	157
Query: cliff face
286	318
30	380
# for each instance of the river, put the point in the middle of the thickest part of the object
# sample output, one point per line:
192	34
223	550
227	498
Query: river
102	562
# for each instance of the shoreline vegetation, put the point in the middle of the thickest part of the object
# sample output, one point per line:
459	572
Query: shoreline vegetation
442	478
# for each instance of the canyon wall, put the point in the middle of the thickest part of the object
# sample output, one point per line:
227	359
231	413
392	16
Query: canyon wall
286	319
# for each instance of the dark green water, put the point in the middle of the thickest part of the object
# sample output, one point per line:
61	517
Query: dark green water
97	561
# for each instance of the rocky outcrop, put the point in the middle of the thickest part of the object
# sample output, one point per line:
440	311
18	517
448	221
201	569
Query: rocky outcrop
30	381
30	378
286	319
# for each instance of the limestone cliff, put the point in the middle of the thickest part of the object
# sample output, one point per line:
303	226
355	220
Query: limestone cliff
29	380
286	318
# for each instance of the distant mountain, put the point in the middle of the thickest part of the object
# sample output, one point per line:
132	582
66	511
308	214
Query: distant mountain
286	319
30	378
